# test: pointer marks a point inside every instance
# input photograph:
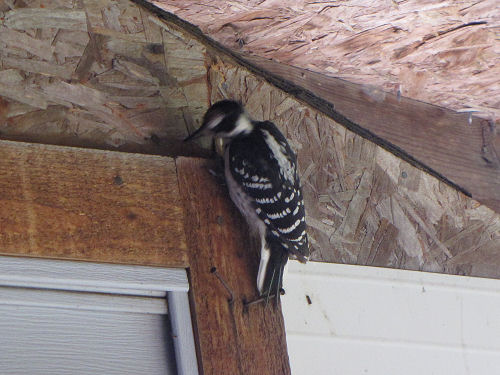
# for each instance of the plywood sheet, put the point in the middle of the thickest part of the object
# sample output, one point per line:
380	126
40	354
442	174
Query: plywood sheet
441	52
97	73
461	150
364	205
136	74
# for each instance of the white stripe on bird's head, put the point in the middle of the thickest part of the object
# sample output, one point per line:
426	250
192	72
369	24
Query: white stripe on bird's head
243	125
213	122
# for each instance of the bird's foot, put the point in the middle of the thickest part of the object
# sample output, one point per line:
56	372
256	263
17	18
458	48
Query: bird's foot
218	172
219	177
265	299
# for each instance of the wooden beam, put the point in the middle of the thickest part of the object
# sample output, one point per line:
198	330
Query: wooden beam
461	150
232	339
73	203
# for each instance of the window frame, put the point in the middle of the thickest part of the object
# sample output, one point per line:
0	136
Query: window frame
103	280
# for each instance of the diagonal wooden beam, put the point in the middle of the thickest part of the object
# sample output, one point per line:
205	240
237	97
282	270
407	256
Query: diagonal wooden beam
460	149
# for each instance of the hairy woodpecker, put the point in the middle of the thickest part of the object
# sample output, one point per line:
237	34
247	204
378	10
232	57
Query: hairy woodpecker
261	173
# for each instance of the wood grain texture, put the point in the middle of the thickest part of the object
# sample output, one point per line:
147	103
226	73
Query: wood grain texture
116	75
361	200
463	151
91	205
460	149
232	339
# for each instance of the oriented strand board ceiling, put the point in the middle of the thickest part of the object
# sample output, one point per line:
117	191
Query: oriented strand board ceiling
112	74
92	73
442	52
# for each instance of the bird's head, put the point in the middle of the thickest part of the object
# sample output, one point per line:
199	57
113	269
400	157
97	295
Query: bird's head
224	119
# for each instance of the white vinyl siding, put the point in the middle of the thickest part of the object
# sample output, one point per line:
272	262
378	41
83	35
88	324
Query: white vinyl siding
367	320
44	340
63	317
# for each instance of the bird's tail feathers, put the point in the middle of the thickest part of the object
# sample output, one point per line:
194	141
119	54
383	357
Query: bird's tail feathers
273	277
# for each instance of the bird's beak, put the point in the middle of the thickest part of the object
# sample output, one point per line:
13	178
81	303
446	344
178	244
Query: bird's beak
207	127
200	132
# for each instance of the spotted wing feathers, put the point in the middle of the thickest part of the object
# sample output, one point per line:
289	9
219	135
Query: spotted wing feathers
264	167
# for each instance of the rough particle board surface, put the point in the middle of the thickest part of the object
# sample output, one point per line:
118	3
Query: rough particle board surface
98	73
136	79
440	52
364	205
461	150
90	205
458	148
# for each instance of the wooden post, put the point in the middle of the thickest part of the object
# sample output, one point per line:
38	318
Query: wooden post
233	339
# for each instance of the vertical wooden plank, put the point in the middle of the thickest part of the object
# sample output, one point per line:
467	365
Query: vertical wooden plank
232	339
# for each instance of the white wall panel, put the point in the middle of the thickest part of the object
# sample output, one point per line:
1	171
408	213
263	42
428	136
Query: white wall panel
367	320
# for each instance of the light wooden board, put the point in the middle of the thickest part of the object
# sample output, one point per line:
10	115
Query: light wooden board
463	150
97	73
445	53
91	205
232	339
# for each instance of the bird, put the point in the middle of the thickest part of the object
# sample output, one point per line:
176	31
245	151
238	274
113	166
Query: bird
260	170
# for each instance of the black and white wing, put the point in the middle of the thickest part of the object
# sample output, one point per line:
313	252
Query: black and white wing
264	166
